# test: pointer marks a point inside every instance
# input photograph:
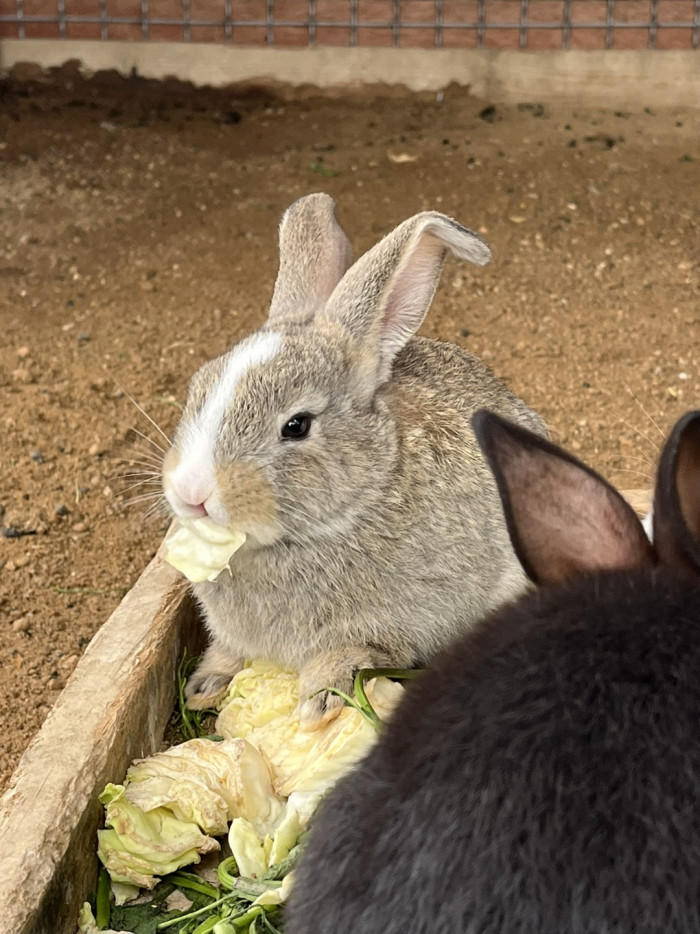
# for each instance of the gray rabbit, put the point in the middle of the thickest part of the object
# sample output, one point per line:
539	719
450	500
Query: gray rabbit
544	775
342	446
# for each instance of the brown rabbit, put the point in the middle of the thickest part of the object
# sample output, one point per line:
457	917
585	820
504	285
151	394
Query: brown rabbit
543	777
342	446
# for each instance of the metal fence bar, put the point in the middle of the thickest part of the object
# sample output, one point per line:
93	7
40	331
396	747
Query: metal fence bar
653	23
395	22
104	25
438	24
62	18
270	22
609	23
231	19
145	21
186	21
20	19
354	19
312	23
228	21
566	25
481	23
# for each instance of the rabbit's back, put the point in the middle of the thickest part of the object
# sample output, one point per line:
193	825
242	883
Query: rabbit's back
543	777
453	381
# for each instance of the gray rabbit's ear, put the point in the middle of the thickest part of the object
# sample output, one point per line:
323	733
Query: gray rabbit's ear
563	518
314	255
384	297
676	512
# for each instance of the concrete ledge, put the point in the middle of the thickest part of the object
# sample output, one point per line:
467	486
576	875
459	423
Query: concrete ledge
656	79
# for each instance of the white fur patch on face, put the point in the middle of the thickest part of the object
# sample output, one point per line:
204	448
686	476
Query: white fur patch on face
194	480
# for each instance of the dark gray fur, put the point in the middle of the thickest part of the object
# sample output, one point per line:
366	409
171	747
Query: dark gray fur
544	776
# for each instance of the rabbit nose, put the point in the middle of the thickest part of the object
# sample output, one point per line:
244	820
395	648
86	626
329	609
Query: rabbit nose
191	493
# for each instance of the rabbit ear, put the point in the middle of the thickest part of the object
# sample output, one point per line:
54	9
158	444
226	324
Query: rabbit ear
677	497
563	518
314	255
384	297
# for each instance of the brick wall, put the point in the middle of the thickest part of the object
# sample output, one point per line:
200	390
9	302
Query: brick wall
502	24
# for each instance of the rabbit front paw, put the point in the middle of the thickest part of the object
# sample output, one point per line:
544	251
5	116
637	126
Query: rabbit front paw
204	691
320	705
317	706
208	685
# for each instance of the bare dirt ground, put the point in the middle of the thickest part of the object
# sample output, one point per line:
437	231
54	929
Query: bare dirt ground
138	238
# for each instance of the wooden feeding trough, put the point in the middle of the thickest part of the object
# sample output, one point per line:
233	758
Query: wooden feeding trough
114	709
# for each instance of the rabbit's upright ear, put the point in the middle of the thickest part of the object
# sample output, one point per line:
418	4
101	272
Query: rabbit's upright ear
677	497
384	297
563	518
314	255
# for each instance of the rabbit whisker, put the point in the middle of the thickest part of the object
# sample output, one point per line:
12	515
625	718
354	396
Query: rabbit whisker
155	509
155	425
651	419
137	468
133	486
140	456
148	465
639	473
144	441
150	477
145	457
638	457
614	463
140	498
641	434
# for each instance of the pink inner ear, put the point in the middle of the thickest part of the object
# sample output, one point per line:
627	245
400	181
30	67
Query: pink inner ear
565	520
410	293
593	547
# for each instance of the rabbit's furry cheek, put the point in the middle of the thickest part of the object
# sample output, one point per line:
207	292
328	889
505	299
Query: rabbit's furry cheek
179	495
170	462
249	500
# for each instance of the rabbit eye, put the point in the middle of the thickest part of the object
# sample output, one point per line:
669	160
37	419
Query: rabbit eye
297	427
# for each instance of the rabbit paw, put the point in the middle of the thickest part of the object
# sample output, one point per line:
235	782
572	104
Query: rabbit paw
318	706
208	685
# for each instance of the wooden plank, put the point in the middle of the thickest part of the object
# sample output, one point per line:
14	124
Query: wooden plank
114	708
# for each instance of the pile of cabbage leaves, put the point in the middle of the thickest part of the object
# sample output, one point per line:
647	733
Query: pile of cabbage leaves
240	802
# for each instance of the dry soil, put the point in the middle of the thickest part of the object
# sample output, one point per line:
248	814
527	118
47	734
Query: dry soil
138	238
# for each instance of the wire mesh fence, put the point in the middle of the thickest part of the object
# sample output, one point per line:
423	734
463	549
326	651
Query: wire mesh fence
520	24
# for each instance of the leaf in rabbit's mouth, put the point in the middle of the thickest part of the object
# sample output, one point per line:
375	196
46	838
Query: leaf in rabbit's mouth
201	549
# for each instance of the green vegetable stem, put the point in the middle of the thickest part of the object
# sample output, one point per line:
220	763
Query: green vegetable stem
360	701
102	900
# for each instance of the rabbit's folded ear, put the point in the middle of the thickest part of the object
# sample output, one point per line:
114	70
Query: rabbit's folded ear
314	255
384	297
563	518
677	497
